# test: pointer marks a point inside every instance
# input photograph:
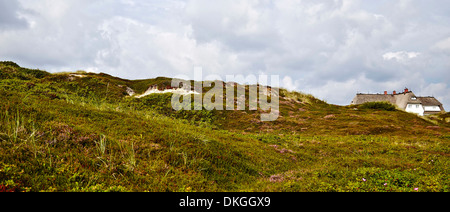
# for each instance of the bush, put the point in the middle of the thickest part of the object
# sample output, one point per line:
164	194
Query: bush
9	63
378	106
10	69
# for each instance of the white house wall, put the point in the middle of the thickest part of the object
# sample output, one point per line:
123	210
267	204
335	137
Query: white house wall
432	108
415	108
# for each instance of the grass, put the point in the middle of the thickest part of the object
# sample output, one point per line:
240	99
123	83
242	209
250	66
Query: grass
86	135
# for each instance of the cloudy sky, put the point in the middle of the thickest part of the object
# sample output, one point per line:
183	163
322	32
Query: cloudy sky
329	48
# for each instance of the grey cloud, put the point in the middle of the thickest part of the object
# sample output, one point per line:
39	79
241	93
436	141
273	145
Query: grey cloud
60	36
9	15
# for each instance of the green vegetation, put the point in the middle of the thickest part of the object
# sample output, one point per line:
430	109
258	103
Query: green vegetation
378	106
83	132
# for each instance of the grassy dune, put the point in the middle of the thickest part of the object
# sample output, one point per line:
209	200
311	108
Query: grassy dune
63	132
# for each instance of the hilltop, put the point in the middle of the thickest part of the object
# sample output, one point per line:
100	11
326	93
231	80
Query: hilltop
88	132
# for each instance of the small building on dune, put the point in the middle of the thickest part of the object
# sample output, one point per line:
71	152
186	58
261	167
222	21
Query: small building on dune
405	100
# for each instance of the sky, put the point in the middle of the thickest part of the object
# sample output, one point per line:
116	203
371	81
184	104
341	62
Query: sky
329	48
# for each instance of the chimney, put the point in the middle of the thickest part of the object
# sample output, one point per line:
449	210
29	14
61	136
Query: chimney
406	90
385	92
394	92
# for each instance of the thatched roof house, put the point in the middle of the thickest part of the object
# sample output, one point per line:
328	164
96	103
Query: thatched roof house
431	105
406	100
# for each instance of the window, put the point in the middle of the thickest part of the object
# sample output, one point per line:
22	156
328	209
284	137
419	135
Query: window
417	106
413	98
409	106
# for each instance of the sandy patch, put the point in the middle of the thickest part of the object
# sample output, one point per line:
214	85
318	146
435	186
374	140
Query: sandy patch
152	90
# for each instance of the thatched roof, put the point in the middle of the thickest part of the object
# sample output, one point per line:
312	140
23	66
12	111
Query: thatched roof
429	101
363	98
399	99
403	99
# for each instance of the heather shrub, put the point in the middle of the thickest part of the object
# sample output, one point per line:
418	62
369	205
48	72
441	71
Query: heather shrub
378	106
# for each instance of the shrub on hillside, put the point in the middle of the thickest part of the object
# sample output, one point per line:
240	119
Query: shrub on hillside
10	69
9	63
378	106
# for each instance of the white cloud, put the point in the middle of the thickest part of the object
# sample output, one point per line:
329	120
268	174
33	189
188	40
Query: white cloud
146	50
443	44
128	2
287	83
400	56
